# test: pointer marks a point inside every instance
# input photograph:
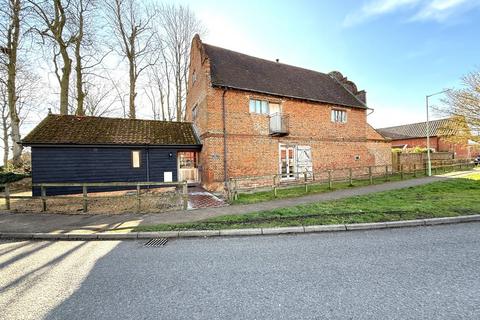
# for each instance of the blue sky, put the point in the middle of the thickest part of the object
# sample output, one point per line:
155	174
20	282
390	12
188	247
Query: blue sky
397	50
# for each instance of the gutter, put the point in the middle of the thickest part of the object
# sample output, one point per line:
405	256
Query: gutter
224	119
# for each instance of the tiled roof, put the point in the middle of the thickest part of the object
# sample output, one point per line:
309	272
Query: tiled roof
69	129
240	71
419	130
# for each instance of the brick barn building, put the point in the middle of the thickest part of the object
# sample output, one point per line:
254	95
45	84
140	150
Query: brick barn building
245	116
445	136
256	117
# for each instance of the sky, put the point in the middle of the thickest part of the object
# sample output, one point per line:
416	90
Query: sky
397	50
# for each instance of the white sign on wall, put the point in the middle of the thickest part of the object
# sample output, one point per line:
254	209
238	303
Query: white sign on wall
167	176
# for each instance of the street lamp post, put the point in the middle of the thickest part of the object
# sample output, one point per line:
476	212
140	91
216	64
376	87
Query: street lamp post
429	161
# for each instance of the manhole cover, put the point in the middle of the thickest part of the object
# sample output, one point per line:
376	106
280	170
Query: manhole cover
156	242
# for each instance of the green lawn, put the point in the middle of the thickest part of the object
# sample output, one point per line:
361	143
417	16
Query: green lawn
298	191
452	197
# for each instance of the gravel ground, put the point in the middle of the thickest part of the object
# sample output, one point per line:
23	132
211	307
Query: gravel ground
412	273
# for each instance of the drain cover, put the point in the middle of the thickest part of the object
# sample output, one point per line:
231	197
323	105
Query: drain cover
156	242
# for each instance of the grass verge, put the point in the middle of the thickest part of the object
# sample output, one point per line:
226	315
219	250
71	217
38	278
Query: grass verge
452	197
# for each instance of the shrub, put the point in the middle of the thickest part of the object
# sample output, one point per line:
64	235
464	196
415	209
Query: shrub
9	177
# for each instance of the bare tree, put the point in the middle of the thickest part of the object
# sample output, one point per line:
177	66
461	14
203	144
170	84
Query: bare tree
464	104
130	23
52	24
177	25
11	12
5	122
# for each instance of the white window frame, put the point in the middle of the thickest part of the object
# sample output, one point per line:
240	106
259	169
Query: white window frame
338	116
136	162
258	107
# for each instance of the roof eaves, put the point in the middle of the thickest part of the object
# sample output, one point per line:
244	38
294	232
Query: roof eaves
221	85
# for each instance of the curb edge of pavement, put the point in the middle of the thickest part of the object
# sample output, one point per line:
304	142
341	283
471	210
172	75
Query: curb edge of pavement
239	232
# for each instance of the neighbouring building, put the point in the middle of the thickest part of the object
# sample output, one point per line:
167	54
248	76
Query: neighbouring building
257	117
67	148
446	135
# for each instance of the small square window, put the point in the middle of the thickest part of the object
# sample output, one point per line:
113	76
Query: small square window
339	116
136	158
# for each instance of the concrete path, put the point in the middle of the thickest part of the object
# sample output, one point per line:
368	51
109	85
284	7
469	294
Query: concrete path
59	223
409	273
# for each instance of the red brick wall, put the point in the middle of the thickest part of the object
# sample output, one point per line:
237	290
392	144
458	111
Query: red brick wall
440	144
251	151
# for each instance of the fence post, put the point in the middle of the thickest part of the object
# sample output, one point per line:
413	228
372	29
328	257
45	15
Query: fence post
330	179
370	176
305	179
235	192
185	195
350	176
138	198
386	172
85	199
414	170
43	194
401	171
7	196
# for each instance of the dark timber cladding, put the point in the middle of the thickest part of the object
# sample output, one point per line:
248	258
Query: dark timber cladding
94	149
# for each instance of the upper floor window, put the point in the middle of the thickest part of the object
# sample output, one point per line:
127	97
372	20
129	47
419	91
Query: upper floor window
339	116
194	112
259	106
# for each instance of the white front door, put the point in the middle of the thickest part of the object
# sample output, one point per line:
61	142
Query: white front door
287	161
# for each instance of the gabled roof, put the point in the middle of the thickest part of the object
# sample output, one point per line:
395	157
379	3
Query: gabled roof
76	130
240	71
418	130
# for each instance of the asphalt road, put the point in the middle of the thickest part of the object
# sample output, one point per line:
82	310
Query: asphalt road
414	273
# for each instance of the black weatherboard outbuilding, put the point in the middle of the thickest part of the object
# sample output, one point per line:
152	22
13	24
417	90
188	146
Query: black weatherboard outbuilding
67	148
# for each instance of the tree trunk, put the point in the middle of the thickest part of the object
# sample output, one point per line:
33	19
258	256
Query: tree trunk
13	41
65	80
132	94
5	127
78	67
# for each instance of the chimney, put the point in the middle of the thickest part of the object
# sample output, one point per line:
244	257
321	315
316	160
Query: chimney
362	96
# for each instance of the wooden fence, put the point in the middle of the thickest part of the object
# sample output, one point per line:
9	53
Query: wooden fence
329	177
85	198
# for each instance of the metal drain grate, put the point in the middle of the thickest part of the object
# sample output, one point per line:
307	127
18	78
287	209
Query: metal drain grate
156	242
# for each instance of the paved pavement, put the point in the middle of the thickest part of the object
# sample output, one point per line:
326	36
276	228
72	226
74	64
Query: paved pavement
412	273
90	223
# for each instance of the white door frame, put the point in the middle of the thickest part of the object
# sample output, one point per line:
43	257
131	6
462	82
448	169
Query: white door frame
287	146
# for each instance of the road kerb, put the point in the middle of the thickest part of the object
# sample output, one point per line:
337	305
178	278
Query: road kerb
325	228
283	230
366	226
405	223
239	232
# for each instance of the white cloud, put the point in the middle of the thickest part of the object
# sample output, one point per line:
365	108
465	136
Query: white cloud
377	8
440	10
419	10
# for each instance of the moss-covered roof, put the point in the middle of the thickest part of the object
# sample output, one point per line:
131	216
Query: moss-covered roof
76	130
